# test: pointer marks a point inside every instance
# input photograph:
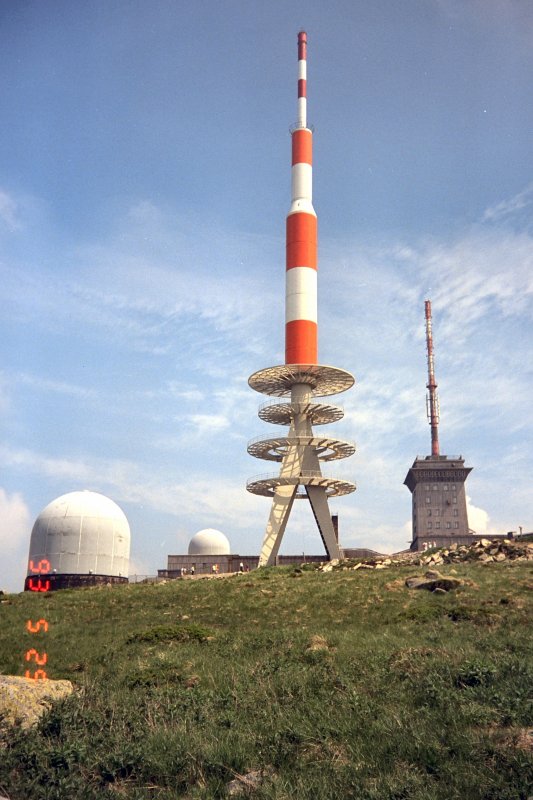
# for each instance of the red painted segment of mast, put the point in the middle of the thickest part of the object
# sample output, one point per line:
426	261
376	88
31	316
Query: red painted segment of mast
302	46
432	398
300	342
302	146
301	330
301	241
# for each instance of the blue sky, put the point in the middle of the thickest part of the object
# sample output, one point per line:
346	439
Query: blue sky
144	183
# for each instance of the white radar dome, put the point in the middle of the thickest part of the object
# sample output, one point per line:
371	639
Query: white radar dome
209	542
81	533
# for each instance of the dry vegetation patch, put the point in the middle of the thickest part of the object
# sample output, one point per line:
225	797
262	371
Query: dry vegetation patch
317	642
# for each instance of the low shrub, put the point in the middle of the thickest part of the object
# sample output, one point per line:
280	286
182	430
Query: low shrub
172	633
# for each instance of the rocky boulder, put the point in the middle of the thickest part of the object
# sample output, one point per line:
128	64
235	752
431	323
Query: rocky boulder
433	581
23	700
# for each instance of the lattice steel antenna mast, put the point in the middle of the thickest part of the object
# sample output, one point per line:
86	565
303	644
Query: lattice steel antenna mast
432	398
301	378
437	482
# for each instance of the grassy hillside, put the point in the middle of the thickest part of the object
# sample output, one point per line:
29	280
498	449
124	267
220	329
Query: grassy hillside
326	685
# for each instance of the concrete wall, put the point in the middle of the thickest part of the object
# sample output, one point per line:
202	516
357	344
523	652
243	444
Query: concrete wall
203	565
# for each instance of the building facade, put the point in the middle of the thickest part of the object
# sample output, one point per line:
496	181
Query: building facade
439	513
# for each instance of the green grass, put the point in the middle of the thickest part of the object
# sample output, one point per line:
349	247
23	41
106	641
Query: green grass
339	685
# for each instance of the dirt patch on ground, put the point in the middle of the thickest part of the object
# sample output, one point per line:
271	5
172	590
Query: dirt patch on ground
513	737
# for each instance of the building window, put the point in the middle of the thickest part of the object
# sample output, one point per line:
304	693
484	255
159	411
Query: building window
454	499
437	524
448	524
427	487
437	512
435	487
428	499
453	487
445	487
456	512
429	526
455	524
429	511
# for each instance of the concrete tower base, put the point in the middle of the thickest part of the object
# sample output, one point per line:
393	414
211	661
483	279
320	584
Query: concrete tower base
300	452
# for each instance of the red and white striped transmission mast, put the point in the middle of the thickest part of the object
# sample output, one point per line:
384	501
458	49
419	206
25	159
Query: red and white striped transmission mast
301	379
432	398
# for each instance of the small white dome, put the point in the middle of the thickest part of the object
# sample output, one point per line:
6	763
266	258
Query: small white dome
209	542
81	533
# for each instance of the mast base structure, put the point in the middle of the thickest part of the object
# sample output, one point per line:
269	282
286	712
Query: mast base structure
300	451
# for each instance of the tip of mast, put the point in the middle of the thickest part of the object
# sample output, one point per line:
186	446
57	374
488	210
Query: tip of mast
302	45
302	80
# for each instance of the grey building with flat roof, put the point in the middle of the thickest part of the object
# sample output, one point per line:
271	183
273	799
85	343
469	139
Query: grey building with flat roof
439	513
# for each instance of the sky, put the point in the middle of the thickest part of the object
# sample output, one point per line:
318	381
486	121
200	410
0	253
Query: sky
144	184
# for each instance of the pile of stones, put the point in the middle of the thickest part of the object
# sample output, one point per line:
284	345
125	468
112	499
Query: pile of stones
484	550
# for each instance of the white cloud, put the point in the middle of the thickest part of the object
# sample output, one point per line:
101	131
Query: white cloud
510	206
26	460
377	407
58	387
481	523
482	272
5	397
15	529
153	287
14	522
192	395
9	211
178	494
207	424
478	519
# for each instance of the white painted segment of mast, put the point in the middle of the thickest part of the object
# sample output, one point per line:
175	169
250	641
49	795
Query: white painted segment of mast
302	101
301	294
302	189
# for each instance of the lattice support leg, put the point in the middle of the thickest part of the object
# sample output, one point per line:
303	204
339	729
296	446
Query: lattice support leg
319	503
277	522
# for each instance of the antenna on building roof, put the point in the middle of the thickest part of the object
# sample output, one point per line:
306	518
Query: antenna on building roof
432	398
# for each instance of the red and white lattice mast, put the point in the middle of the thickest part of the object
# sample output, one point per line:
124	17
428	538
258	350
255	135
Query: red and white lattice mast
432	399
301	378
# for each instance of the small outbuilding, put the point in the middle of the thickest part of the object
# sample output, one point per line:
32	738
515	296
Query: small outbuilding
209	553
